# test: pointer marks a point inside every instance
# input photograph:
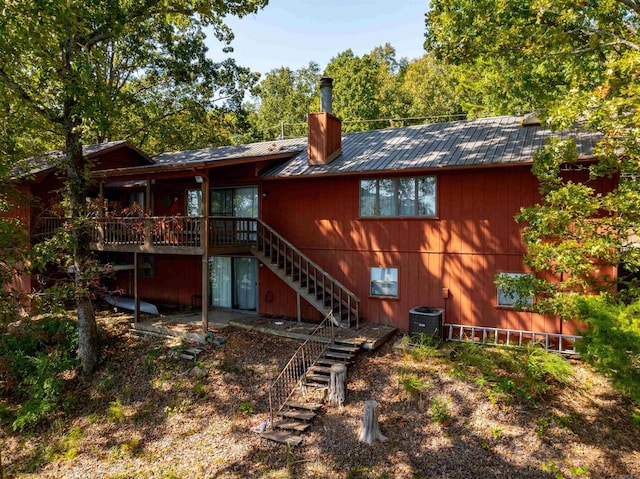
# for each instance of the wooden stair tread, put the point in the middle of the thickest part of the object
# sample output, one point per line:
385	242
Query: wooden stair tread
318	378
303	416
283	437
310	406
346	349
318	386
331	362
333	354
319	369
292	425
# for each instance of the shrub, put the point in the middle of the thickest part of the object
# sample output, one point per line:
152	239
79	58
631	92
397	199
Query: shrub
542	365
440	411
413	385
32	359
611	341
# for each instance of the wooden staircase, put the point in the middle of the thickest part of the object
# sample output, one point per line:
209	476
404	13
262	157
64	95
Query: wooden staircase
295	415
311	282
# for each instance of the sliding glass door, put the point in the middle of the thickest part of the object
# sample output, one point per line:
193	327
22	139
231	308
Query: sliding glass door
234	282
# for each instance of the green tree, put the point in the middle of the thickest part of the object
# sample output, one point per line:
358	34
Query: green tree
356	90
433	89
576	63
283	99
54	54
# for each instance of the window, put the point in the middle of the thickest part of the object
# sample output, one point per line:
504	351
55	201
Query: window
239	202
510	296
194	203
398	197
384	282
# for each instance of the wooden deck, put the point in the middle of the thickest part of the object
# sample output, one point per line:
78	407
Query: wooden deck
369	336
189	327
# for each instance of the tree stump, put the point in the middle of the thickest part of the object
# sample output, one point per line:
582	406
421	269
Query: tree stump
370	429
337	387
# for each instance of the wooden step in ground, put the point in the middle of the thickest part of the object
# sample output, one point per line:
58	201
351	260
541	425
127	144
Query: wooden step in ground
317	378
337	355
319	369
292	425
297	414
343	348
330	362
309	406
283	437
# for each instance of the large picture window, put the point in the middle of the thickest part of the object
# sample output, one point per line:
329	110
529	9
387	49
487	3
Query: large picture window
398	197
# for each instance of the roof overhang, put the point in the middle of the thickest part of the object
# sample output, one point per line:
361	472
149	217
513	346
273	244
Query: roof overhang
180	169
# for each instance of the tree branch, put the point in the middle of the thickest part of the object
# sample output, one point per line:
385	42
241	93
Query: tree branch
26	97
634	6
156	120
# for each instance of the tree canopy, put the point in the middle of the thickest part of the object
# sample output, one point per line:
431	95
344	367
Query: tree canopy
576	64
82	66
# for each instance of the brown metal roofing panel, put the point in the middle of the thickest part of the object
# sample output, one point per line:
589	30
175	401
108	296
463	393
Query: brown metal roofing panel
265	148
381	152
490	145
470	152
395	147
437	154
460	143
457	141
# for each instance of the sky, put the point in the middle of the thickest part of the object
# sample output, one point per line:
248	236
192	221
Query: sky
292	33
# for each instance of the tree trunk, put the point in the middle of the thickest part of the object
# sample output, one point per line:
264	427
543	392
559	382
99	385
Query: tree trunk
337	387
370	429
76	191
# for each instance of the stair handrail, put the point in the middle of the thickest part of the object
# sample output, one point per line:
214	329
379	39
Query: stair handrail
263	226
293	372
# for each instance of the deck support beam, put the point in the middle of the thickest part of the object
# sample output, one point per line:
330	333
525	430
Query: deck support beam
136	293
204	239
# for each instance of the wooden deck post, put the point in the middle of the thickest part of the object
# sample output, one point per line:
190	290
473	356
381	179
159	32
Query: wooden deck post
136	294
204	239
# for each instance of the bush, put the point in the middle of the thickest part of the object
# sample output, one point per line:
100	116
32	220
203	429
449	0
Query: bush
611	341
32	359
543	365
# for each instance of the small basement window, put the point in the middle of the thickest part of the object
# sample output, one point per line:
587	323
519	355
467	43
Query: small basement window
384	282
510	298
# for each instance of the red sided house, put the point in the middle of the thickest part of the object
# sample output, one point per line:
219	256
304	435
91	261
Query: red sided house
369	225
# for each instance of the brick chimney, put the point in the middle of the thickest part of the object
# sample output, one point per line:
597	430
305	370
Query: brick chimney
325	130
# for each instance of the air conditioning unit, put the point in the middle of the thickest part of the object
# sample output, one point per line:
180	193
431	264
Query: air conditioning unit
426	320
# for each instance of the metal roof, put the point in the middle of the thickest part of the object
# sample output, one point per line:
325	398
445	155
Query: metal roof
52	159
222	153
456	144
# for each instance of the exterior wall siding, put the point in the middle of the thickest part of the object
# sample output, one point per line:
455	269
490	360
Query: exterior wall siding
473	237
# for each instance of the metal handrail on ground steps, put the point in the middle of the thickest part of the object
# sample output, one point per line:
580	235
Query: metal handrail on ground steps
318	287
294	371
552	342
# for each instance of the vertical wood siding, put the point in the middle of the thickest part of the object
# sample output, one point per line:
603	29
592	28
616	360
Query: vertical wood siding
474	237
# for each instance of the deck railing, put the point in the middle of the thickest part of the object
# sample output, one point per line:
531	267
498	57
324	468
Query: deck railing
162	230
293	373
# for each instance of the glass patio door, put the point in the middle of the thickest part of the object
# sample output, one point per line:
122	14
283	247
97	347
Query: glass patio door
220	276
234	282
245	284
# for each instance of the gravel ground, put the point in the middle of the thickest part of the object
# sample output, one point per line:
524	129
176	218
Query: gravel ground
146	413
